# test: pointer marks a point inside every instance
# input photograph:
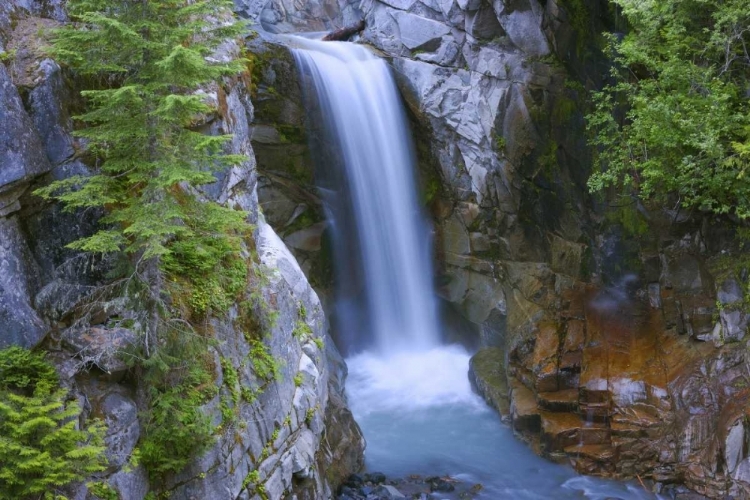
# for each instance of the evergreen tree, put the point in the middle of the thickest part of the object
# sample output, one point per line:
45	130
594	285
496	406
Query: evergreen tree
143	62
674	124
145	59
41	448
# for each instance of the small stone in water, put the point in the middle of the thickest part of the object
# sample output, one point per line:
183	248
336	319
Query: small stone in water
354	481
375	477
439	484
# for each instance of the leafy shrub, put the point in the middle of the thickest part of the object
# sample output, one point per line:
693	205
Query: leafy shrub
41	449
673	124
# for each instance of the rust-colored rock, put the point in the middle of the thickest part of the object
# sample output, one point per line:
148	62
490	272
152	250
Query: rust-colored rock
523	407
614	386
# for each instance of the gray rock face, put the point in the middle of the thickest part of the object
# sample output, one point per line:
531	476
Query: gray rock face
419	33
19	322
123	429
283	429
286	16
49	113
47	287
21	153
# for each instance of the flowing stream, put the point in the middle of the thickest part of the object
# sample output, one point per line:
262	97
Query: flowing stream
409	393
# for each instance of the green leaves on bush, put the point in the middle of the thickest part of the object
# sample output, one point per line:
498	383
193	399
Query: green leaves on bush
674	123
41	447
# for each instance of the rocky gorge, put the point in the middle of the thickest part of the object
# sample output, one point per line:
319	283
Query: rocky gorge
611	334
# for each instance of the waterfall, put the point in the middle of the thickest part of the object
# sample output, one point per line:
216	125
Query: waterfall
409	394
367	137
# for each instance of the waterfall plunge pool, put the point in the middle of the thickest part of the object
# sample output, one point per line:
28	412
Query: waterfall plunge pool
420	416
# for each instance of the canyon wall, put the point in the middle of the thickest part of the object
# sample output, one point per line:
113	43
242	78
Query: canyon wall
293	434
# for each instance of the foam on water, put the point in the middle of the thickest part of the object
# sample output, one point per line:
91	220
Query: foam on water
411	381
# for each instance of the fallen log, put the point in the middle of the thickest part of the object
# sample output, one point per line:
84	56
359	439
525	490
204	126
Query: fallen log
343	34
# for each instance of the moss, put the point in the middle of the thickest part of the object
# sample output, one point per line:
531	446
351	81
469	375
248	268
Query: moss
563	111
264	364
174	428
302	331
579	19
500	143
548	159
291	133
629	218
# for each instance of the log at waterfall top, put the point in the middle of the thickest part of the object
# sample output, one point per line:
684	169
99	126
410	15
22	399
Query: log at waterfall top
343	34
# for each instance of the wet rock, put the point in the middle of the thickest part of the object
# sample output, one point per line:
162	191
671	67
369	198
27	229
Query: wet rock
354	481
375	477
440	484
387	491
523	408
487	374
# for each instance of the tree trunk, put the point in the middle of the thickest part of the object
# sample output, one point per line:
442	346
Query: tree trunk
343	34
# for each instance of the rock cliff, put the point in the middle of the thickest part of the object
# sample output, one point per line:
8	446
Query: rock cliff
294	436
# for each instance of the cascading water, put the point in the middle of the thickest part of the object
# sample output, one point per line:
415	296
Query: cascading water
410	395
360	104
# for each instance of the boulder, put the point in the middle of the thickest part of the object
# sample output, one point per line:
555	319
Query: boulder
22	155
420	33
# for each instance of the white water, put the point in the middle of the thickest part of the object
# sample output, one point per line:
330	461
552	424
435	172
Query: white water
363	110
410	395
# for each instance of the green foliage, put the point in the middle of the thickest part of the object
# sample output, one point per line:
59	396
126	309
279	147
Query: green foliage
302	330
145	61
41	449
8	56
180	377
675	121
310	414
252	478
631	220
205	268
231	379
101	490
298	379
264	364
139	128
252	483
